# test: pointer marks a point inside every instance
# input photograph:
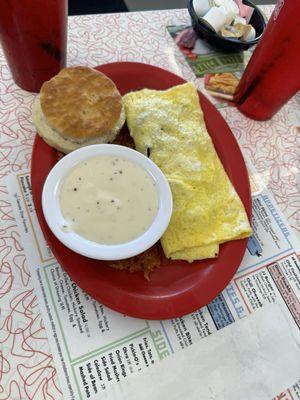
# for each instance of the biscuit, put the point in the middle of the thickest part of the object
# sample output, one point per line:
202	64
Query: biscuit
80	103
54	139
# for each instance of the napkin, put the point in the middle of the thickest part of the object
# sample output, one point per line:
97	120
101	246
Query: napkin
257	358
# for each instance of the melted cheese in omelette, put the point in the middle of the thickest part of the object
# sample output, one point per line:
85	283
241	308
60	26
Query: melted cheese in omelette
206	208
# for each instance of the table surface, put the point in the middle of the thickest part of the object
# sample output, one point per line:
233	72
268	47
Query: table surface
26	366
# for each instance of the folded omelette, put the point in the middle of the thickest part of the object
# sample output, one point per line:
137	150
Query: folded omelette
169	127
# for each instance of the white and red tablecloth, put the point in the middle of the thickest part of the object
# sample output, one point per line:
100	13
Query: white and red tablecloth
26	367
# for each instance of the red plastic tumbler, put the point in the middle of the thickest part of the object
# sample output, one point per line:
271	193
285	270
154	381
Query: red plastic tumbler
33	38
272	76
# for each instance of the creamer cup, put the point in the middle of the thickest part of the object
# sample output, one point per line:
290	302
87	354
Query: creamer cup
201	7
215	18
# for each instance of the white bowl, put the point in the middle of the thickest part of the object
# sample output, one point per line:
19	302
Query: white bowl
77	243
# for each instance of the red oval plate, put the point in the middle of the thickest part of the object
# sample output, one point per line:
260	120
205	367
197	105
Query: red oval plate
175	289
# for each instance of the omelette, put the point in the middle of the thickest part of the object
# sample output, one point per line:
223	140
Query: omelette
168	126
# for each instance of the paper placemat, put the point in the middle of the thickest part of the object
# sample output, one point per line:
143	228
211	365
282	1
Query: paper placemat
256	358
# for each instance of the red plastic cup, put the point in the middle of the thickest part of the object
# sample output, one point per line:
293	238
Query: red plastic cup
272	76
33	35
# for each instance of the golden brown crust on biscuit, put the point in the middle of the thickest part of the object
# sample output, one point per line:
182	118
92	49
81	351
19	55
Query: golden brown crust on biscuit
81	103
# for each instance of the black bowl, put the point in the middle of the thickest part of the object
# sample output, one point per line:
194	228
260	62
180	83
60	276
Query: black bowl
228	44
